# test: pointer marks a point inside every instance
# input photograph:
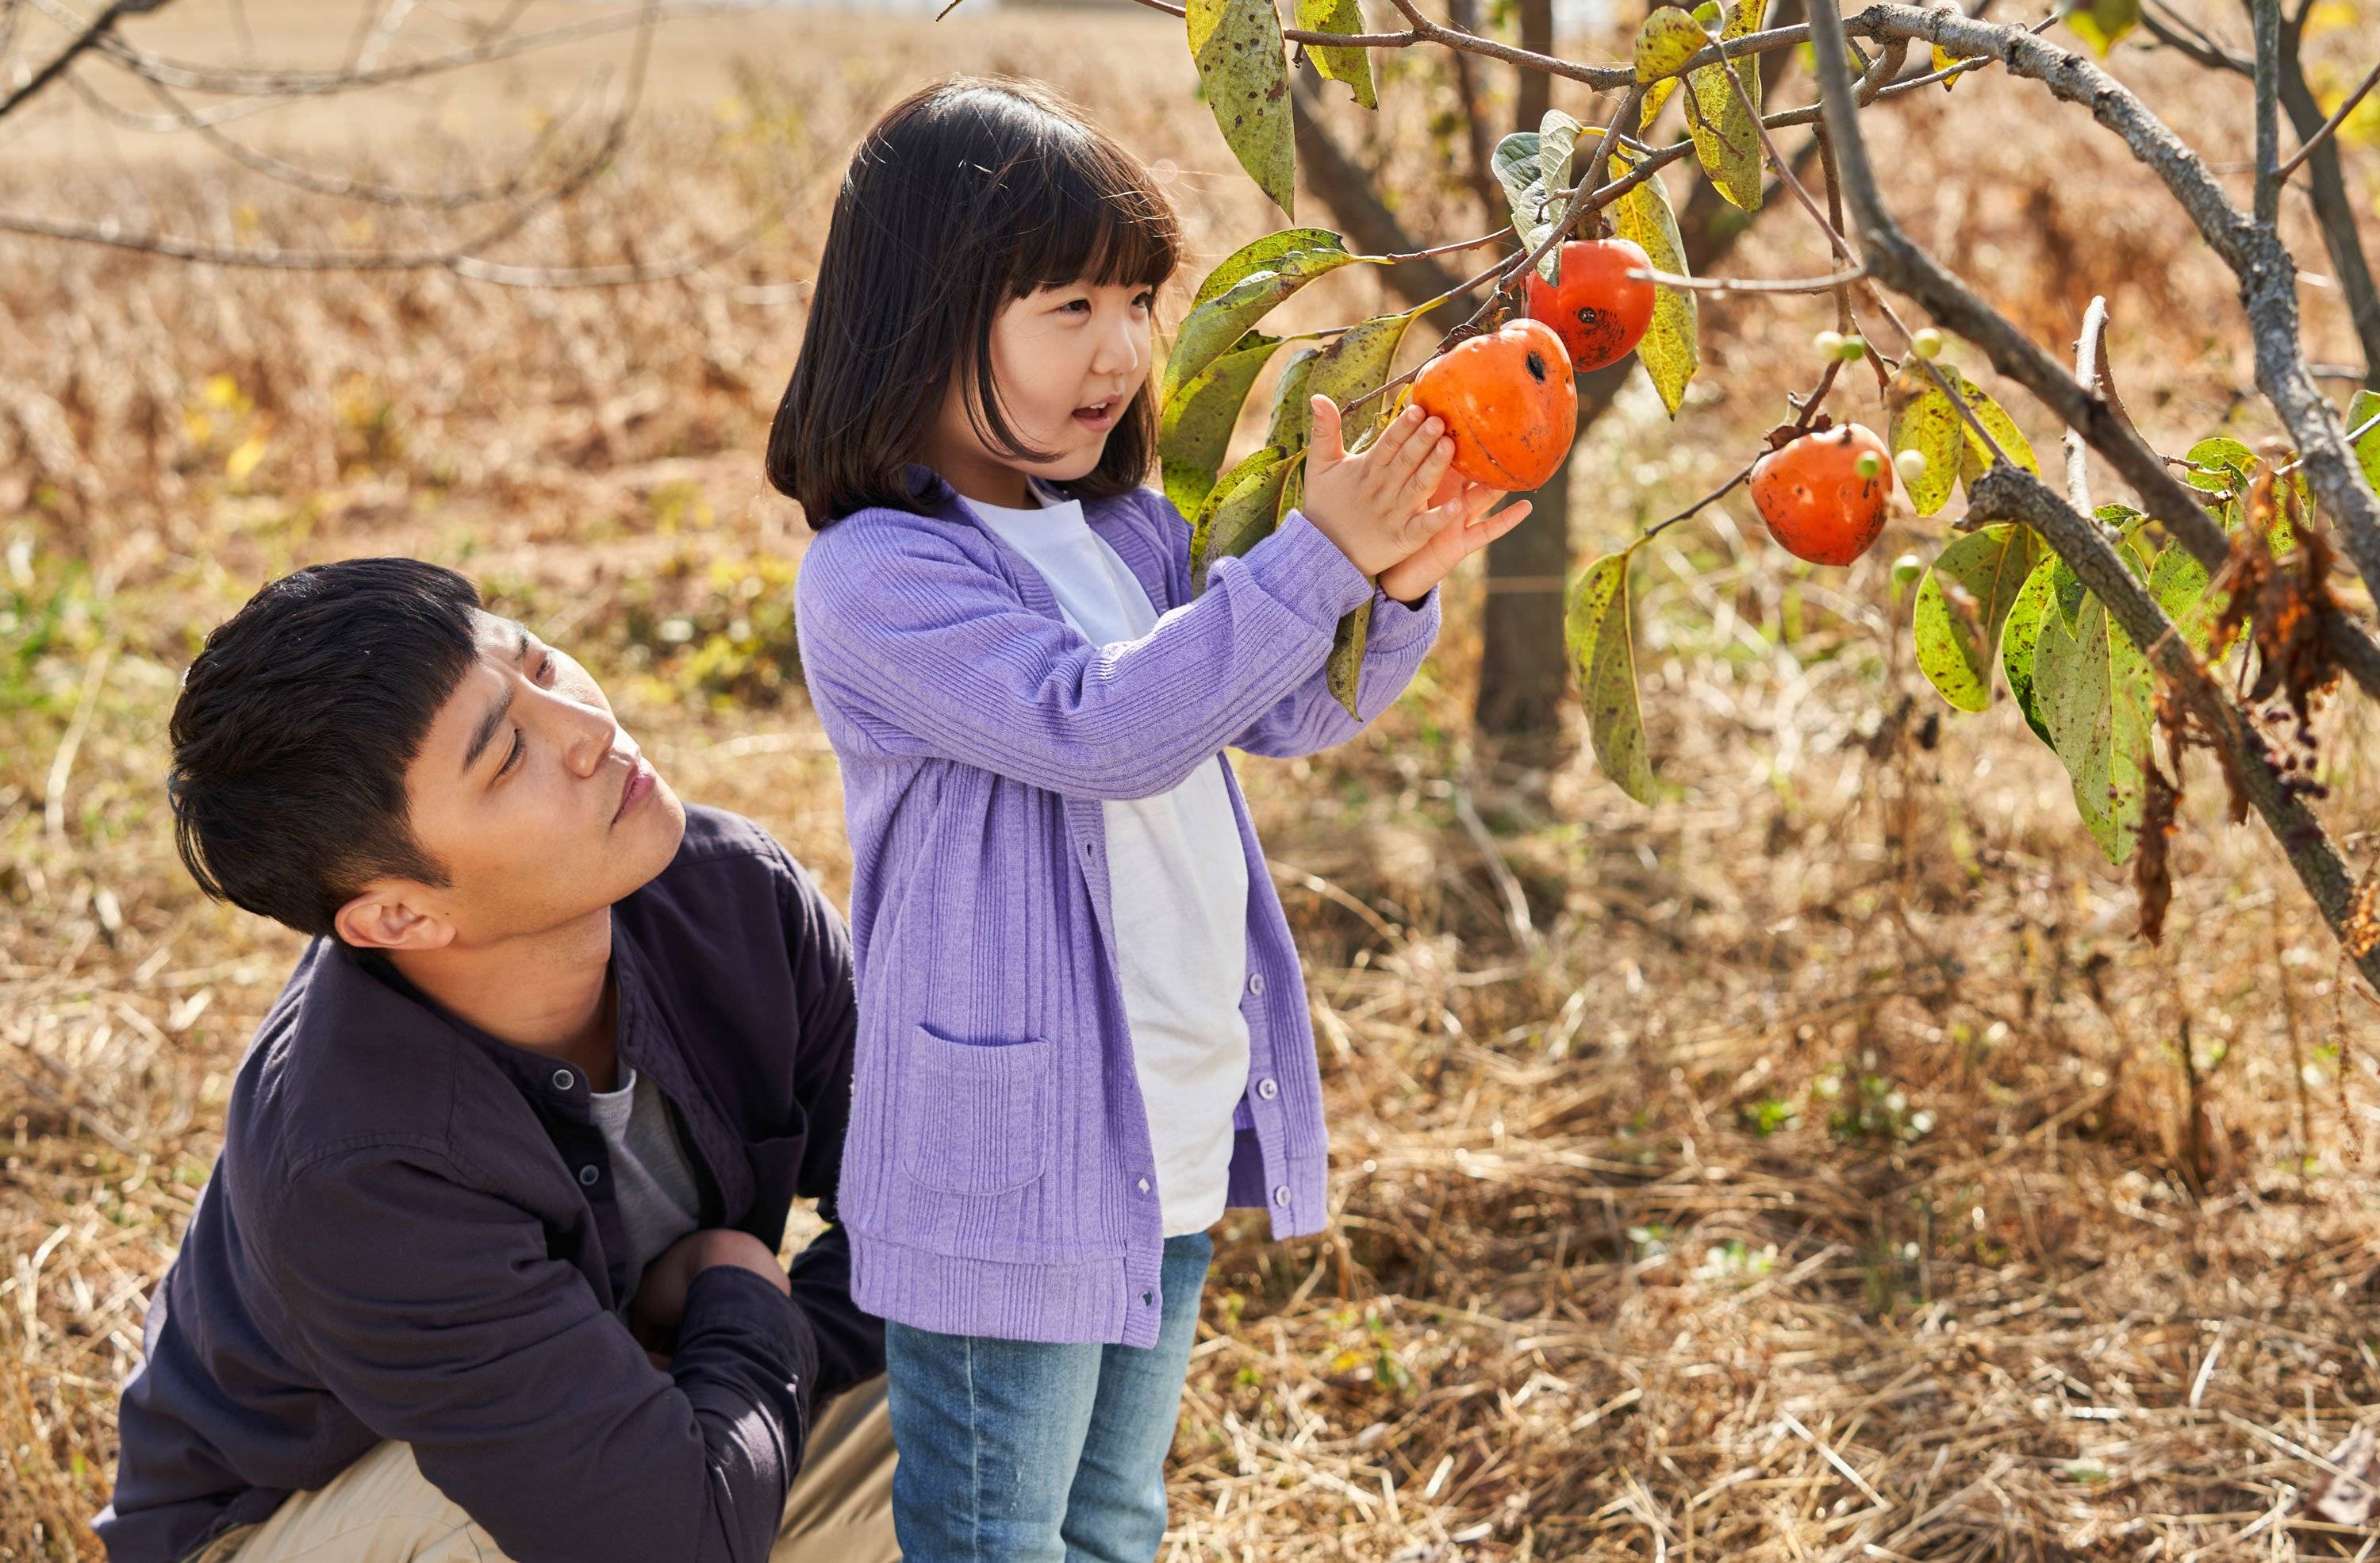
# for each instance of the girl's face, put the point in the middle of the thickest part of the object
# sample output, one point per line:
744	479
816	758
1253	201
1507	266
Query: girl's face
1067	361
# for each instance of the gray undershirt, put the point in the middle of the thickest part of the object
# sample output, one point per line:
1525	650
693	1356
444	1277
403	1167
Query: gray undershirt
652	1182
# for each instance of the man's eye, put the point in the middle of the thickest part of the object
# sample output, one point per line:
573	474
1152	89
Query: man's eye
515	755
545	667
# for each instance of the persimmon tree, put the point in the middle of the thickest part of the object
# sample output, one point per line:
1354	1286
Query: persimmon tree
2203	611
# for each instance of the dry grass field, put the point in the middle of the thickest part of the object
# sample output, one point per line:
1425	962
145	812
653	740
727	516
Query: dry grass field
1813	1166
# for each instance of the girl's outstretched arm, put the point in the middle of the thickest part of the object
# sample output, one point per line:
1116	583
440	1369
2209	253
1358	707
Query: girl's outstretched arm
914	646
1310	719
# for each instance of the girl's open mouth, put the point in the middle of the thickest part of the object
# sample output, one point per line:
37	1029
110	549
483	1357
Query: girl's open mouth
1100	415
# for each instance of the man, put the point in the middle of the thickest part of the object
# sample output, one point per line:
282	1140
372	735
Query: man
488	1264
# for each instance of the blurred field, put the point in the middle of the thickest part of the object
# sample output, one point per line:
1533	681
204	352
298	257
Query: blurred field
1804	1169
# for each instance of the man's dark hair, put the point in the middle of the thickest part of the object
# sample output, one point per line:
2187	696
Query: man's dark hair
967	194
295	729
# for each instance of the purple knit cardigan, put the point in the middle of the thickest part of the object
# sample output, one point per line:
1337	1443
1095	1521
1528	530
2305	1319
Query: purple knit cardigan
998	1177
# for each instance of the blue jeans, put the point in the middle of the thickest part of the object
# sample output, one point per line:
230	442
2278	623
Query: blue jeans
1022	1451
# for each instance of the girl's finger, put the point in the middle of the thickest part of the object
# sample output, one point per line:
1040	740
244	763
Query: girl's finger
1397	472
1496	525
1423	480
1323	447
1383	453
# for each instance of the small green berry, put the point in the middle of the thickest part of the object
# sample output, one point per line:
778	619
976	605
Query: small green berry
1855	349
1910	465
1868	466
1927	343
1829	344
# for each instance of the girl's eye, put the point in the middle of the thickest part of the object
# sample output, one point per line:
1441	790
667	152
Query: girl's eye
1081	304
1146	301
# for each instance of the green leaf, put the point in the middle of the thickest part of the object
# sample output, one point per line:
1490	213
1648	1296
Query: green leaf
1962	605
2360	409
1287	428
1669	349
1519	163
1266	255
1600	631
2221	465
1195	430
2179	583
1353	66
1216	326
2095	693
1357	365
1239	513
1727	140
1344	670
2102	23
2037	600
1244	68
1924	420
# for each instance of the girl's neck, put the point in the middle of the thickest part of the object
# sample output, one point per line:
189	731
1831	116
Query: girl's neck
988	482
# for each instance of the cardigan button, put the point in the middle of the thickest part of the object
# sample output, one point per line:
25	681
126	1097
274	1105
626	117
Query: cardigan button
1143	1185
1255	981
1280	1196
1267	1089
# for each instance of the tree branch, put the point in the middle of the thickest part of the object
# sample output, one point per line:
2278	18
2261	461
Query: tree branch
2268	293
2009	491
91	37
2329	126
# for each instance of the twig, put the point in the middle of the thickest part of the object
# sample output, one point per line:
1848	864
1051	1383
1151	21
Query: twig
2087	349
1751	285
2329	126
89	38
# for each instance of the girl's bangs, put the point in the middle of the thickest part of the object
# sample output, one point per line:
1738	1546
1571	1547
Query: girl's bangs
1088	214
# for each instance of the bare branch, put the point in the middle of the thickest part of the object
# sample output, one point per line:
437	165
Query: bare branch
2267	14
1724	286
91	37
2268	291
2088	348
2329	126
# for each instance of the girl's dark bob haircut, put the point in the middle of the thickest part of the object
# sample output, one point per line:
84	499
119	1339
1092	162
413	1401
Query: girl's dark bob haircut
967	195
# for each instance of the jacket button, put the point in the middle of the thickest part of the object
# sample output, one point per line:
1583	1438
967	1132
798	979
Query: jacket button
1143	1185
1255	981
588	1175
1267	1089
1281	1195
564	1080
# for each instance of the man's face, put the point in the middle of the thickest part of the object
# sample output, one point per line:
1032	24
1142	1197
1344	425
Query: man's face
529	794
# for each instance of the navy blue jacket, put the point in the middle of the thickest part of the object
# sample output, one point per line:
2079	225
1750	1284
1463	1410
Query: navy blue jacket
410	1234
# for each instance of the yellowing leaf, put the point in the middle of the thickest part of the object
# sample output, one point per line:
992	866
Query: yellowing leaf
1669	39
1993	418
1601	637
1353	66
1727	140
1924	420
1216	325
1239	513
2102	23
1668	350
244	458
1244	67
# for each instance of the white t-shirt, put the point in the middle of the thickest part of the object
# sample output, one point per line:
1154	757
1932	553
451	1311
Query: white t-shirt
1180	883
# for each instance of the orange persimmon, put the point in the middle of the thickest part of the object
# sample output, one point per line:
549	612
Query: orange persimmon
1508	401
1600	311
1818	503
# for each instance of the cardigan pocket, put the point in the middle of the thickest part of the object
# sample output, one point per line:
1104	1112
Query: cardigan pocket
974	1116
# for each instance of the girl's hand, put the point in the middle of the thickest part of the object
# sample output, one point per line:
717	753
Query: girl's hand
1376	507
1470	529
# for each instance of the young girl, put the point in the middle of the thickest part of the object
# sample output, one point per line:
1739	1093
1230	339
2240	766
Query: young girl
1081	1029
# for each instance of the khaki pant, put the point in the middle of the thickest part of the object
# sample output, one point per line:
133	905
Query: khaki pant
381	1510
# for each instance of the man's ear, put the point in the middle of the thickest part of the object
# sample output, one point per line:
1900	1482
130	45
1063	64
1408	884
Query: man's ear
390	914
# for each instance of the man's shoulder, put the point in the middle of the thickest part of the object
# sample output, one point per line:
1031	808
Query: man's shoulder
341	1065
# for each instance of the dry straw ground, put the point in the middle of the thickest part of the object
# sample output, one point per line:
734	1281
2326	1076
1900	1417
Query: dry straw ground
1801	1169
